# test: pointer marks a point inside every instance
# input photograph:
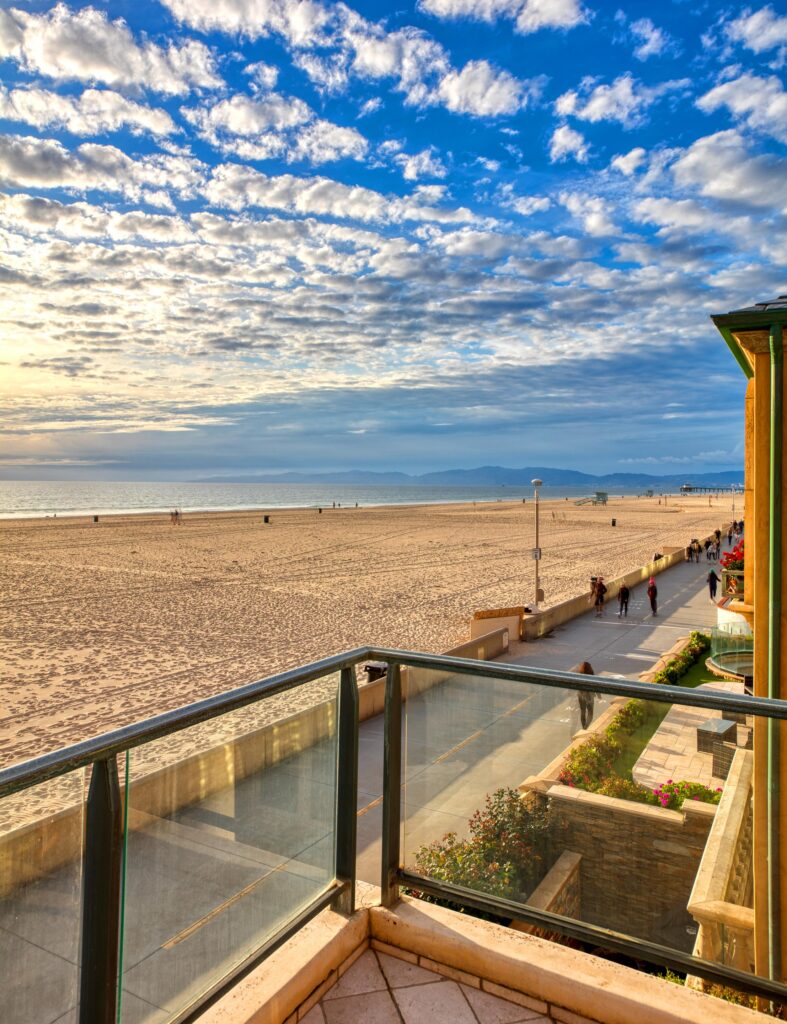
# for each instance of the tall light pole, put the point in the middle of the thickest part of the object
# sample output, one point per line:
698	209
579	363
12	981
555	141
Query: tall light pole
536	550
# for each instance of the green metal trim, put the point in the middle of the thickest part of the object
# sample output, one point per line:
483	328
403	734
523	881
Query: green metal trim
774	648
639	949
736	350
750	319
392	786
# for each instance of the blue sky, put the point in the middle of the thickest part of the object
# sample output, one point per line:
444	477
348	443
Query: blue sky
242	235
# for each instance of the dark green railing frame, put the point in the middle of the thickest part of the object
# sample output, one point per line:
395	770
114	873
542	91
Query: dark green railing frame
102	864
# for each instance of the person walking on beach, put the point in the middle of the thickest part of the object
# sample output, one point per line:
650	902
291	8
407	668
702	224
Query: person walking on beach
599	596
653	594
623	601
713	582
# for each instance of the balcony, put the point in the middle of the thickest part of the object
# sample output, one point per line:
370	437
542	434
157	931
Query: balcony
206	859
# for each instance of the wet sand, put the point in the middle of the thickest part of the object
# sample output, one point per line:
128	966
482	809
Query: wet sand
108	623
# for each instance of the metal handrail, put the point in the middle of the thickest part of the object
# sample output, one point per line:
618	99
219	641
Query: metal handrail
48	766
102	866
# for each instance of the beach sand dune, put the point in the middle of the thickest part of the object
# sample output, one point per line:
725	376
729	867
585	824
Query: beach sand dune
108	623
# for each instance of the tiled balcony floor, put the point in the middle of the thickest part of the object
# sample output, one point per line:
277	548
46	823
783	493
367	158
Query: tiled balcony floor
379	989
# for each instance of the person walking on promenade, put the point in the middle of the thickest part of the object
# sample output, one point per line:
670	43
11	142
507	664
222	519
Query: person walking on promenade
697	550
586	698
599	596
713	582
717	535
729	537
707	549
653	594
623	601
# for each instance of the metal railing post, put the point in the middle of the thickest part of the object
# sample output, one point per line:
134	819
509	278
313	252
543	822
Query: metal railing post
101	873
392	786
347	790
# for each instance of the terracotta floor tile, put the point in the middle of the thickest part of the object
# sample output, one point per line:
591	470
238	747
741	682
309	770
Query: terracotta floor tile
314	1016
400	974
364	976
441	1003
367	1008
491	1010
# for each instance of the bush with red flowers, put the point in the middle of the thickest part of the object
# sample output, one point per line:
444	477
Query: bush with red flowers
733	559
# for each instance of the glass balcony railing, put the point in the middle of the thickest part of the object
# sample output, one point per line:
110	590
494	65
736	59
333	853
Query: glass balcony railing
142	871
732	650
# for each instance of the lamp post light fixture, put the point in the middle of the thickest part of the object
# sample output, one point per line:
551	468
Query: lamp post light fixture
539	596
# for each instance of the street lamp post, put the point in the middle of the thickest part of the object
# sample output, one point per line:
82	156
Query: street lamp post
536	550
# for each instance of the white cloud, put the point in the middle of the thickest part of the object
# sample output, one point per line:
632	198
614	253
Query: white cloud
628	163
592	212
565	143
418	63
237	187
94	112
300	22
530	15
371	106
626	100
426	164
721	166
275	126
761	103
653	40
329	74
759	30
86	46
528	205
244	115
482	90
45	163
686	215
264	76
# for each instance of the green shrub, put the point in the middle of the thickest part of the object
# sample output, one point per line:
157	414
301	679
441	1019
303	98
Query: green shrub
626	789
672	794
502	856
590	763
630	717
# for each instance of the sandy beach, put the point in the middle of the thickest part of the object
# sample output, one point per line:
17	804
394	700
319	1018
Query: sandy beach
108	623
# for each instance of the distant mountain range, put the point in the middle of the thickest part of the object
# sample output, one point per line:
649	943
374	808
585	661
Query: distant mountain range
495	476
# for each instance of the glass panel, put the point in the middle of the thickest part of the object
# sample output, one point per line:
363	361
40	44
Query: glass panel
41	844
641	823
230	834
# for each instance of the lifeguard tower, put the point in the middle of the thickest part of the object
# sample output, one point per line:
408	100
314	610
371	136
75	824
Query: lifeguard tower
599	498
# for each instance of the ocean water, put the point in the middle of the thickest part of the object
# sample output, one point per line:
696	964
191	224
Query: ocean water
24	499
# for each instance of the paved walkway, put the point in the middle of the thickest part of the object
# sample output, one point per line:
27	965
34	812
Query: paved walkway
627	647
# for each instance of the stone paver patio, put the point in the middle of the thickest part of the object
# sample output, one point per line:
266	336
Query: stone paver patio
380	989
672	751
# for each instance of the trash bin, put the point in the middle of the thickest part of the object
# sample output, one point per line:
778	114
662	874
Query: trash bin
375	670
614	522
266	519
95	519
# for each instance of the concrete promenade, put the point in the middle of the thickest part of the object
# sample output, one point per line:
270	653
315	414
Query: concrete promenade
627	647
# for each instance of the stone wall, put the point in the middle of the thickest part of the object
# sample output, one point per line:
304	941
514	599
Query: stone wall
559	892
638	862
